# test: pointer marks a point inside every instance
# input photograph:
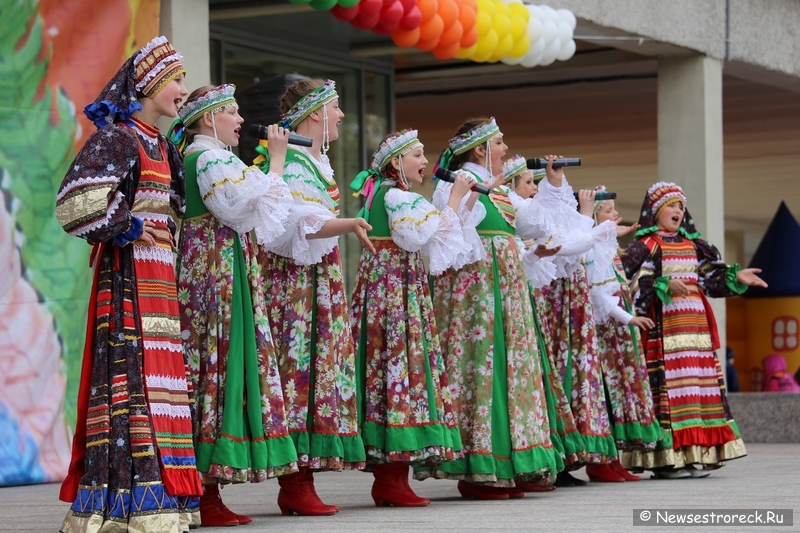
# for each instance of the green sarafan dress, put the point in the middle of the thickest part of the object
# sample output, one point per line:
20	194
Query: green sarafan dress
404	404
491	353
240	426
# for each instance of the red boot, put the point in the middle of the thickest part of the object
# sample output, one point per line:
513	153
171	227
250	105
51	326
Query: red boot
603	473
297	496
212	511
524	486
391	487
481	492
515	493
617	467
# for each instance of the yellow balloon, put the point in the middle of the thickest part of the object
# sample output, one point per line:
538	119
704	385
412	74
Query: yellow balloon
487	43
466	53
481	58
483	23
520	10
501	24
503	48
487	6
502	7
519	28
520	47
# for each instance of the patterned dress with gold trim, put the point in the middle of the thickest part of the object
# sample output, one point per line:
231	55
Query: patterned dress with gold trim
133	462
240	419
405	410
310	324
491	355
685	375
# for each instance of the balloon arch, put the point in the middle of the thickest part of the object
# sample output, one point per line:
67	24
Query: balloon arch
485	31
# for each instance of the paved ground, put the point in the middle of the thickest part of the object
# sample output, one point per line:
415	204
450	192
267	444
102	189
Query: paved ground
768	478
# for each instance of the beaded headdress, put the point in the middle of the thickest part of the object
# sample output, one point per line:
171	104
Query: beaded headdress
513	167
598	203
538	175
309	103
211	101
480	134
145	72
659	196
367	181
156	64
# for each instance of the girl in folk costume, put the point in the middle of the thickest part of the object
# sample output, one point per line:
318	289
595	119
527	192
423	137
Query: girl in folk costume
672	271
630	403
404	416
488	338
307	306
565	311
224	325
132	458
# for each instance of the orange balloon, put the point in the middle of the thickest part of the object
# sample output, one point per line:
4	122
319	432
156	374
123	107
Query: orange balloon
405	39
428	8
466	16
431	29
448	10
471	3
427	46
451	35
446	52
469	38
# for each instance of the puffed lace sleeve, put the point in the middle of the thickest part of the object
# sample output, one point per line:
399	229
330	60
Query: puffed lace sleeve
469	222
242	197
416	225
539	271
310	209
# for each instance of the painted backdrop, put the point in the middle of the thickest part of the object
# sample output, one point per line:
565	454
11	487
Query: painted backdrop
55	56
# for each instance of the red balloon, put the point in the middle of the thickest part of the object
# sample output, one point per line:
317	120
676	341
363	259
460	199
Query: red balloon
451	35
412	19
408	4
387	3
385	28
446	52
393	13
366	22
405	39
345	14
368	7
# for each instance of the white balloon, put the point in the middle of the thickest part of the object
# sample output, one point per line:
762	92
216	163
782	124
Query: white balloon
567	51
567	16
549	32
550	53
512	1
564	32
531	61
536	12
537	47
535	29
550	14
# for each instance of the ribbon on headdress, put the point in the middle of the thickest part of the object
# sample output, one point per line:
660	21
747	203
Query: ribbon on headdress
365	184
445	158
177	134
263	154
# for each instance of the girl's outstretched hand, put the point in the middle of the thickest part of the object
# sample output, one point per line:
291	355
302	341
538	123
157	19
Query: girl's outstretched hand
749	278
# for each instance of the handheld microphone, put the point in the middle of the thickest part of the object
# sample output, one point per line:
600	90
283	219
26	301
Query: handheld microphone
260	132
450	177
601	196
541	162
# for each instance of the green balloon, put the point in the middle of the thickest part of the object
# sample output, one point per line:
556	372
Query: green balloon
323	5
348	3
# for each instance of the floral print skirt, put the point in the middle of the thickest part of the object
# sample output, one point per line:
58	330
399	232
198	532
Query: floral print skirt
309	318
405	411
240	424
494	373
568	329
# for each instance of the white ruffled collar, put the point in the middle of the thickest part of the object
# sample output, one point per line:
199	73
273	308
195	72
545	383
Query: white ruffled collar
323	163
204	142
482	172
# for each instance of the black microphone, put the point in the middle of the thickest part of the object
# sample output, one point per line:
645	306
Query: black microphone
601	196
450	177
541	162
260	132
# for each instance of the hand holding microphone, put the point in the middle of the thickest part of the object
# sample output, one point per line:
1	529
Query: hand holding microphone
450	177
262	132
